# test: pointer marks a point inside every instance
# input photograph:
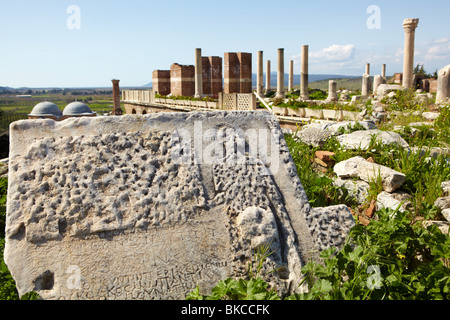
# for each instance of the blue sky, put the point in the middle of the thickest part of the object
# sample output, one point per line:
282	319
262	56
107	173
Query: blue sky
127	40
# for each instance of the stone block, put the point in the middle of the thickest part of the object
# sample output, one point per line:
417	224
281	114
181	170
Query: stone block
152	206
362	138
358	167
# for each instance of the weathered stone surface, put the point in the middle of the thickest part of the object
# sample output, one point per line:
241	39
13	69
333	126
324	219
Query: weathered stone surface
395	200
315	137
384	89
356	188
149	207
361	139
358	167
446	187
330	225
348	168
443	203
430	115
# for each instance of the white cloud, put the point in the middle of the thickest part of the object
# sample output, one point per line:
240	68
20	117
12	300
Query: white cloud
334	53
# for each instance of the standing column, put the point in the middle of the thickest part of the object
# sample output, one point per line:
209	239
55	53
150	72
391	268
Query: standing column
291	75
304	74
383	70
268	88
410	26
280	74
116	97
259	76
365	85
367	68
332	91
198	74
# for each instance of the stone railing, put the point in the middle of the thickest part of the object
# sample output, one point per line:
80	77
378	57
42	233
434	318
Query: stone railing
326	114
231	101
138	96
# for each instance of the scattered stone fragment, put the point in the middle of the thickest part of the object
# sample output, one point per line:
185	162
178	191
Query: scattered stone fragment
361	139
357	189
443	202
325	155
446	214
371	209
395	200
358	167
314	136
430	116
446	187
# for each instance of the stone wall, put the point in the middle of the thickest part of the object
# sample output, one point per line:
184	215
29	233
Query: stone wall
237	72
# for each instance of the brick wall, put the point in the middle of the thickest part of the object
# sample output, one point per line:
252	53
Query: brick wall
161	81
182	82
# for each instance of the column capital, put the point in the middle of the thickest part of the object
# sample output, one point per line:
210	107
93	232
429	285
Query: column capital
410	24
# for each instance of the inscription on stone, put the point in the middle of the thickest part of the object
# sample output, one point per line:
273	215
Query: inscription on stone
150	207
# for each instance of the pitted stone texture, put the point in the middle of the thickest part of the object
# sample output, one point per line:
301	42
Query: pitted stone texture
330	225
146	207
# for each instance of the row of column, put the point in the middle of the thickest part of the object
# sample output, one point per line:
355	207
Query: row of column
280	74
409	26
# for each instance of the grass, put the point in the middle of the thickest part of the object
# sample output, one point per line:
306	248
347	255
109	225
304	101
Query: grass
14	108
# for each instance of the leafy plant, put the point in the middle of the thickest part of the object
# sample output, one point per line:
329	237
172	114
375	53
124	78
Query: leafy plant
392	258
254	288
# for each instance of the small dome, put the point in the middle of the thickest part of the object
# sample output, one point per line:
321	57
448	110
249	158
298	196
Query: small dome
77	109
46	108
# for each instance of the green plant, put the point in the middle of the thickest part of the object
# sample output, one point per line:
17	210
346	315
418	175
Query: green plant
393	258
277	101
254	288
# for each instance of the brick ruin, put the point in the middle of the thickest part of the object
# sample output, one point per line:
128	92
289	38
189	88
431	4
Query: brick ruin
236	76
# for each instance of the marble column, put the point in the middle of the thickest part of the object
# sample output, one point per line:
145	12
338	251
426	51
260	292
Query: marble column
198	74
443	84
116	98
259	76
280	74
377	81
291	75
268	87
409	25
365	85
304	74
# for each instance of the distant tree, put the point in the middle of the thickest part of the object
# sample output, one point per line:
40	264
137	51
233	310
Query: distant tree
421	71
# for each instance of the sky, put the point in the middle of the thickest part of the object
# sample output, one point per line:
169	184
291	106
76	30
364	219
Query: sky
78	43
